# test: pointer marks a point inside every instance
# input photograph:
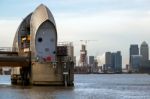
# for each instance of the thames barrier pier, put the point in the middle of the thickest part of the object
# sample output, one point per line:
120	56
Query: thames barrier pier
35	57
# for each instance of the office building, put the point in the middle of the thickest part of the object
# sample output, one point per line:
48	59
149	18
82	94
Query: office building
144	51
91	60
136	61
113	61
117	61
108	59
134	50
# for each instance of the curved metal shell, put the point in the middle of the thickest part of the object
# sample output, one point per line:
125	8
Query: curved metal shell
43	28
20	31
39	25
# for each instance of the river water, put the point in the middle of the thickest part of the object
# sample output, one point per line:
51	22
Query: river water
91	86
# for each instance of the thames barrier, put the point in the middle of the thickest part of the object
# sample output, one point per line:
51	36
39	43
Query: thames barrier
36	58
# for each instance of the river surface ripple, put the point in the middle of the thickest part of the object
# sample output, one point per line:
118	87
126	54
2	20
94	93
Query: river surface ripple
87	86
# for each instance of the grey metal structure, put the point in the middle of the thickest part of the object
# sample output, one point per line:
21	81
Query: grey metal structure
36	40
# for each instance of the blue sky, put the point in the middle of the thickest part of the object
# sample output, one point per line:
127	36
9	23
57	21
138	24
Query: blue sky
115	24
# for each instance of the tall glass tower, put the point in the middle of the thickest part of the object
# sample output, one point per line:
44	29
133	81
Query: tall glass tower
144	51
134	50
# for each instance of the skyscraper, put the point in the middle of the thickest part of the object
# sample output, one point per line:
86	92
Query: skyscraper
113	61
91	60
83	55
118	62
136	62
144	51
108	59
134	50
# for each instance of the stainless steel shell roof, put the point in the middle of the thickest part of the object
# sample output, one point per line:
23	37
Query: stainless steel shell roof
40	15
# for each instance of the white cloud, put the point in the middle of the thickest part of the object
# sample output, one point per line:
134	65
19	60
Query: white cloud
7	32
117	22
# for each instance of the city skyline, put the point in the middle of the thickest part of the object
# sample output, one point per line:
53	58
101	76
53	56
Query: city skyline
114	24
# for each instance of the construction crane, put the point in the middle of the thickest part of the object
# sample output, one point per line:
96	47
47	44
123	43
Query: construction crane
83	52
86	41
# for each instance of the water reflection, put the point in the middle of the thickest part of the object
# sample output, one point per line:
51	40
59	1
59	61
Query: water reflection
124	86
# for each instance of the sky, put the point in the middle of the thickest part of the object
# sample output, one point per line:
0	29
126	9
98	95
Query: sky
112	25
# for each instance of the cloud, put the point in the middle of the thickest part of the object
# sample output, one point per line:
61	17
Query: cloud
7	32
116	22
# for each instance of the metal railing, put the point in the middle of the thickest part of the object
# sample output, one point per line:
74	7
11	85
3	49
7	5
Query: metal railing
67	43
7	49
